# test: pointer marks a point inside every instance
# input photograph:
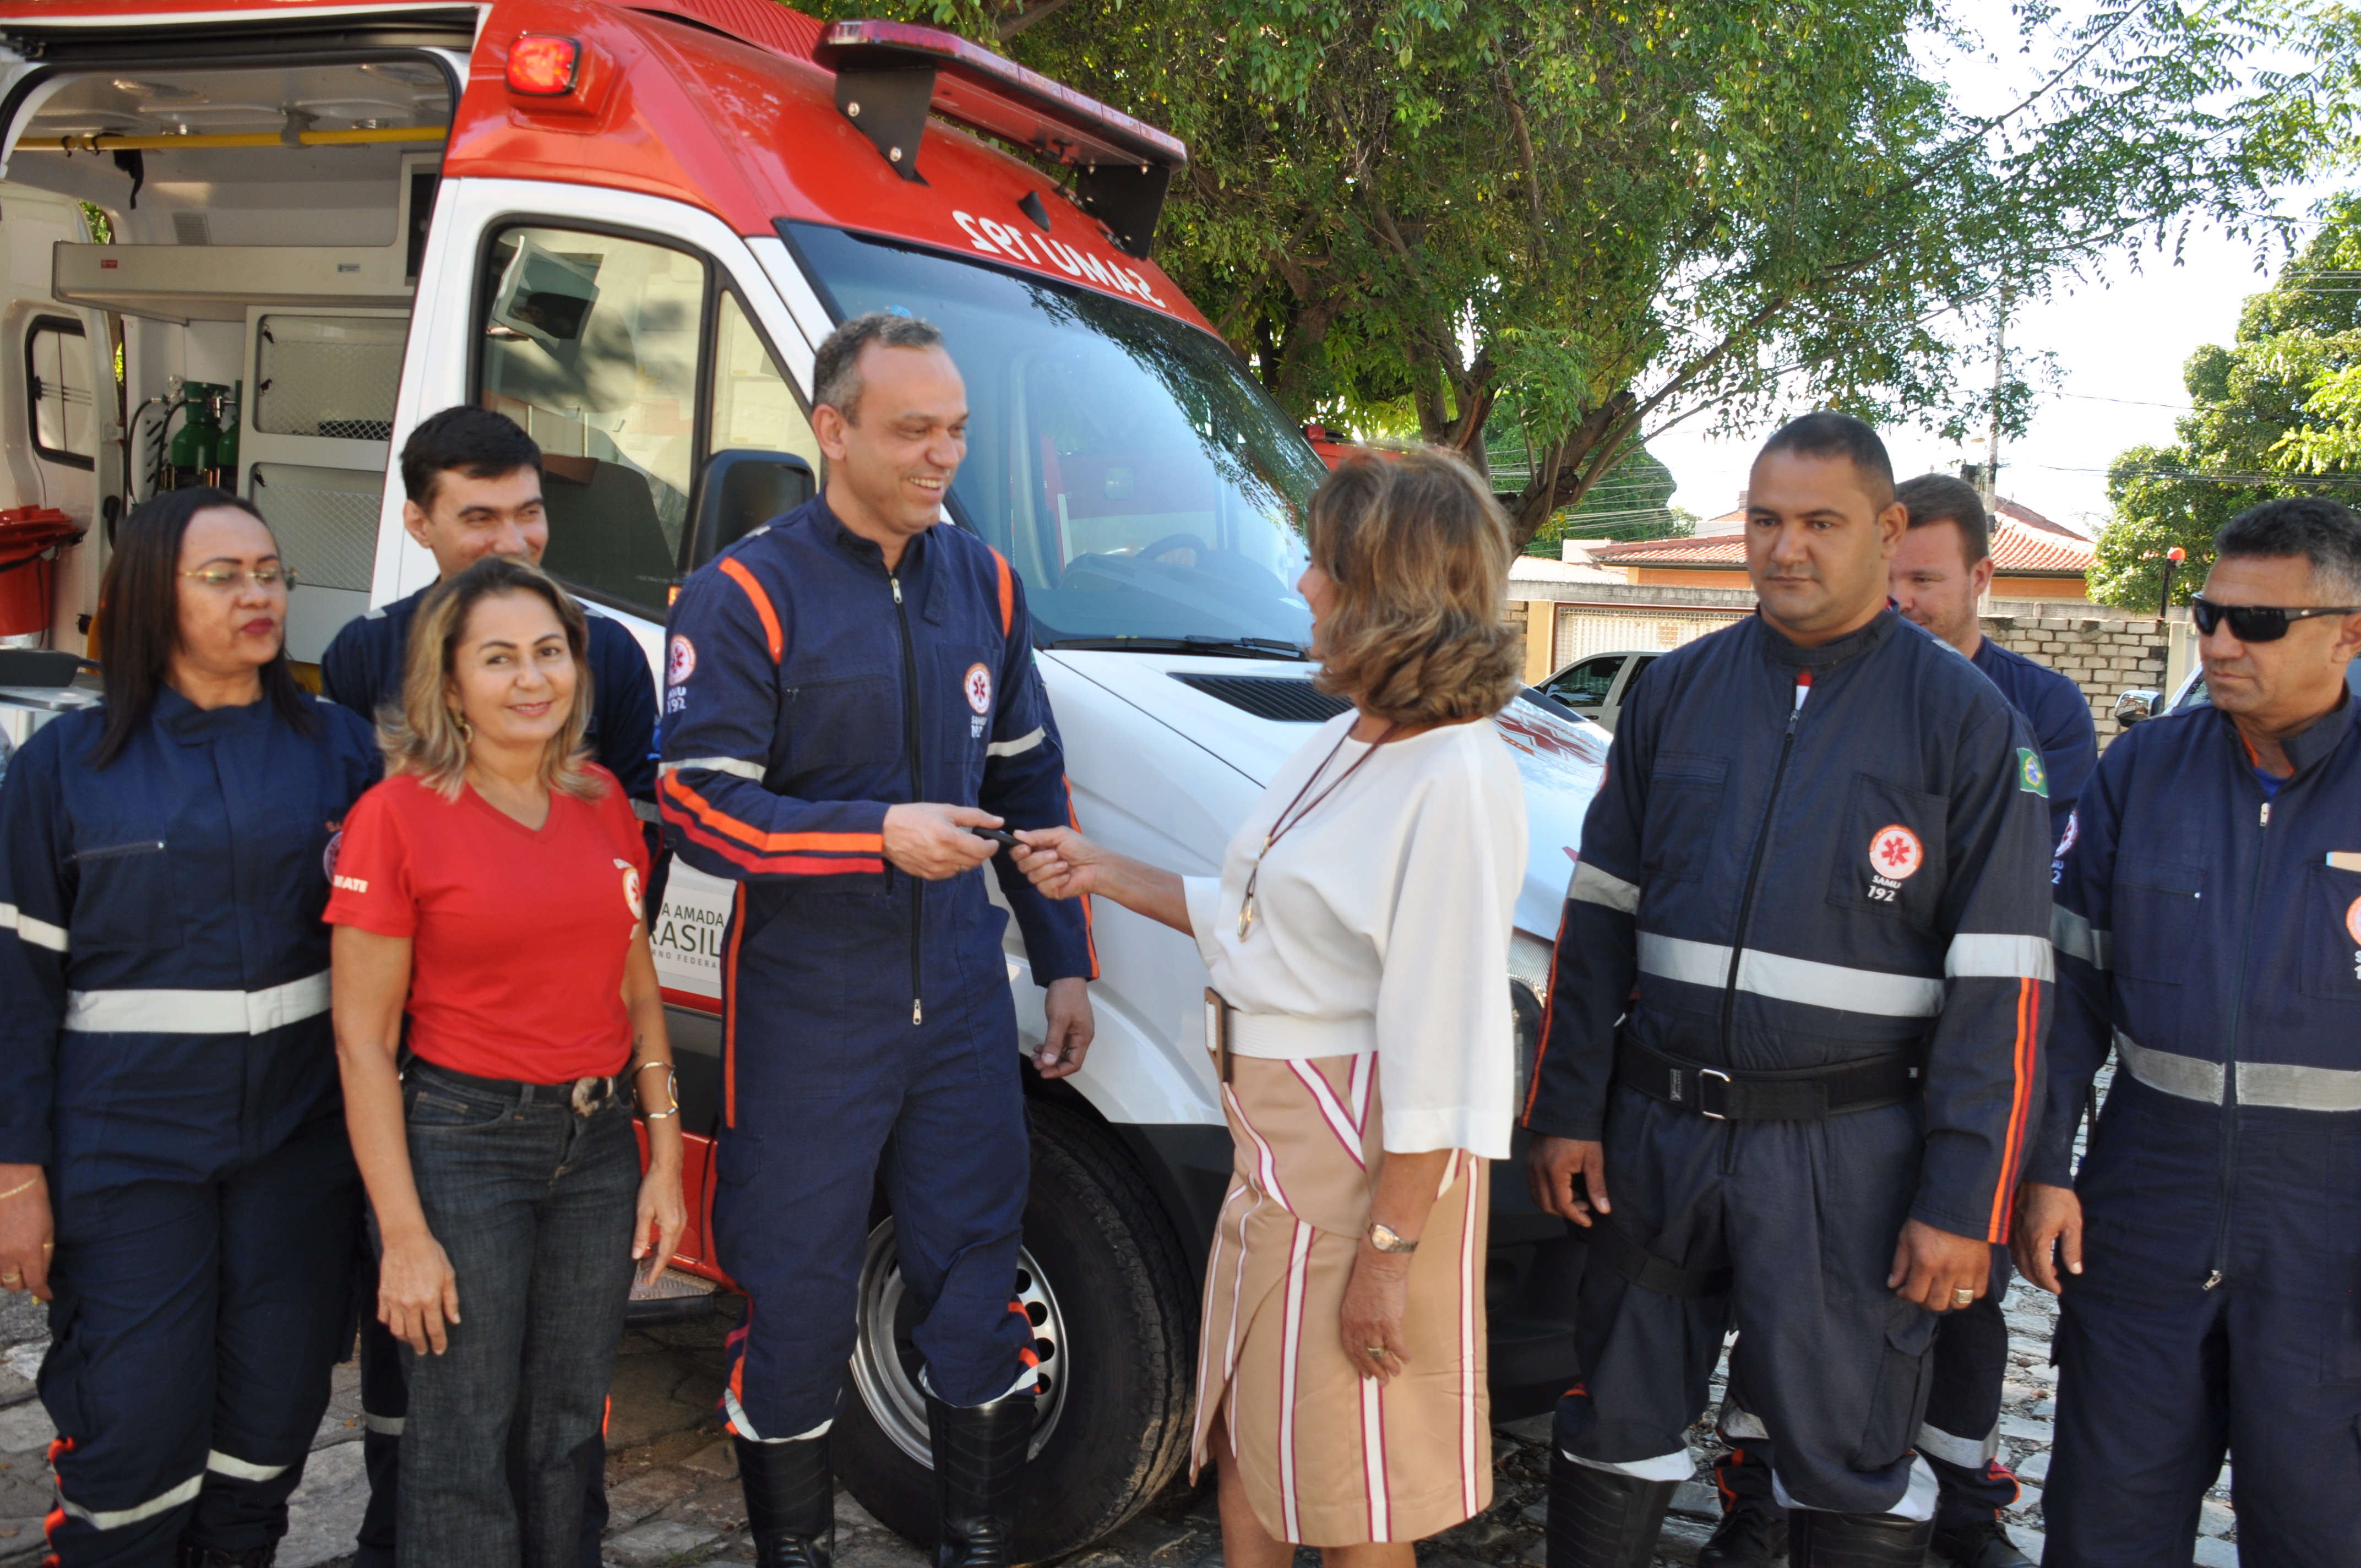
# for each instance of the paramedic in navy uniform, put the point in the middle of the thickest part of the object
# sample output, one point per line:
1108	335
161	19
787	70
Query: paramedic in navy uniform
1790	1057
847	693
472	482
2209	932
170	1113
1938	572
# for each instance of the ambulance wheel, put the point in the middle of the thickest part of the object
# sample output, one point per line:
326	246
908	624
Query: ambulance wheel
1115	1323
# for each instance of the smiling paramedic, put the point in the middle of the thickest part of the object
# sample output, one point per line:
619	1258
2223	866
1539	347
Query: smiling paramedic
1938	572
2208	929
471	479
847	692
168	1097
1789	1058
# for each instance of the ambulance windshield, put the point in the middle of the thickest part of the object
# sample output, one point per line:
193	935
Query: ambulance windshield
1139	482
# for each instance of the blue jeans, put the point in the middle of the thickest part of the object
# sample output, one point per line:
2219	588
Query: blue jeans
533	1205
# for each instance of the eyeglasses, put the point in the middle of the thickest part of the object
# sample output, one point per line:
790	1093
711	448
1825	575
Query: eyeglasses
2256	623
228	578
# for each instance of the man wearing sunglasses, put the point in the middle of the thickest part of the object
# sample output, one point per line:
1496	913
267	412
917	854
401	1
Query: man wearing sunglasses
2208	929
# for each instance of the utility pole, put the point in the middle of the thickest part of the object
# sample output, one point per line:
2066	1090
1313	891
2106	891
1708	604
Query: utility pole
2000	374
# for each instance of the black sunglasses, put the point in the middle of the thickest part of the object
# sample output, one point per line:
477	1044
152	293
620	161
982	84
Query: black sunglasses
2255	622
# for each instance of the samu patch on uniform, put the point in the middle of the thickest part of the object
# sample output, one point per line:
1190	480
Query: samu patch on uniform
2031	776
1894	856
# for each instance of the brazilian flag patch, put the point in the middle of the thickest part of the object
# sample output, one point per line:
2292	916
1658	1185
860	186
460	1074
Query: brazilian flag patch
2031	776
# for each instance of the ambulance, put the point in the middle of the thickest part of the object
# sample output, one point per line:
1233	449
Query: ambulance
254	242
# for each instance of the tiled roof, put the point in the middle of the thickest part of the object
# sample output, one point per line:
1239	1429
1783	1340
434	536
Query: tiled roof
2025	543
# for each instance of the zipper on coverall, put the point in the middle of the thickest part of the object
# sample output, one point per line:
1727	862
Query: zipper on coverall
910	750
1754	866
2230	1058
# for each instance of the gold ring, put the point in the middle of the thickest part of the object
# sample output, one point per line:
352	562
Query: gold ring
12	1279
1963	1298
1379	1350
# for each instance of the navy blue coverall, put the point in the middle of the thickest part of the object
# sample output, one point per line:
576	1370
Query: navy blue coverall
167	1054
2209	930
363	669
1800	858
868	1030
1960	1437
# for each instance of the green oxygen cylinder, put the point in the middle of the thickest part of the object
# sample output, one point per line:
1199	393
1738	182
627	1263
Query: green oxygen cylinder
225	447
196	442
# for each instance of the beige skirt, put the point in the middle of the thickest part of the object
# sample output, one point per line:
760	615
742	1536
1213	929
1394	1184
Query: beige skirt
1329	1457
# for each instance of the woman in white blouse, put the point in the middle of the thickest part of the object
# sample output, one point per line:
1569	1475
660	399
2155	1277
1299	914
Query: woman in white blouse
1357	937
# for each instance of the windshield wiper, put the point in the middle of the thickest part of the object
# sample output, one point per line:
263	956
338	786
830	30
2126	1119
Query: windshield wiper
1218	647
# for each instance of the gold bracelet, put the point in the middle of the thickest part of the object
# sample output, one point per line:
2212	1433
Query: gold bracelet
25	1187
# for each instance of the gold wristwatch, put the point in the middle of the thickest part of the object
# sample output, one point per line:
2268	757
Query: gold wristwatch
1386	1239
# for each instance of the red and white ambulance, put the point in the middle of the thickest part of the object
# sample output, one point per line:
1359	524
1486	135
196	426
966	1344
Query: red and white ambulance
298	226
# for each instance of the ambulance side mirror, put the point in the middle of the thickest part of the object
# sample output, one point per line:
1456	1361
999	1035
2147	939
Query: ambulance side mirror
737	492
2134	706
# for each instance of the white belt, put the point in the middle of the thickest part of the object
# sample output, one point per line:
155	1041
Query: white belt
2277	1085
197	1012
1280	1036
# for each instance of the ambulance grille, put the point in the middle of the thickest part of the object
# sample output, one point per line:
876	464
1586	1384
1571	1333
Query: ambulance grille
1266	696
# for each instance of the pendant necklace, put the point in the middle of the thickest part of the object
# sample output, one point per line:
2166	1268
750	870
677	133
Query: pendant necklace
1286	821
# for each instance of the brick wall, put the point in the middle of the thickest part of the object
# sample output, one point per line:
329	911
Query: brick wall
2103	655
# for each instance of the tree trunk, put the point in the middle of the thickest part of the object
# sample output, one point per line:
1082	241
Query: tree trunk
1564	470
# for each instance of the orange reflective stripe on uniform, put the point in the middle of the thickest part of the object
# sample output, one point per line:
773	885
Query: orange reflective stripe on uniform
2011	1153
1007	594
770	618
730	1015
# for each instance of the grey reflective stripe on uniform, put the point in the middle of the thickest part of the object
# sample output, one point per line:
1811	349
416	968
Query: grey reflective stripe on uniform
384	1426
1981	955
2279	1086
736	1413
116	1518
1023	743
197	1012
40	933
2074	936
718	765
221	1463
1832	986
645	810
1591	885
1952	1449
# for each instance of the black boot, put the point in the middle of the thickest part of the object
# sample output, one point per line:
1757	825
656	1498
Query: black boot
1599	1519
192	1555
1816	1540
1980	1544
1746	1538
790	1501
979	1454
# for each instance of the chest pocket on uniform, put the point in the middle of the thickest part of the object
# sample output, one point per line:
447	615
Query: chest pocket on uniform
1684	818
2332	934
125	899
2158	919
842	720
1891	852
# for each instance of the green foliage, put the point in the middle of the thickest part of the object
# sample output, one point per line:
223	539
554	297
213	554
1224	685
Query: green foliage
2276	413
1621	214
1634	503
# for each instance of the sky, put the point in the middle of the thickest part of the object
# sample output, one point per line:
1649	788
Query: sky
2120	340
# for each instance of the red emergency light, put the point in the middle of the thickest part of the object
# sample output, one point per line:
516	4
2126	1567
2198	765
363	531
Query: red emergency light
543	66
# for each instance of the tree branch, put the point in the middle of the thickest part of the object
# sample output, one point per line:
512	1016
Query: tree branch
1040	10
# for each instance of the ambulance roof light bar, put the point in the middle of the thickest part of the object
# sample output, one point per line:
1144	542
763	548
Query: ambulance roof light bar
890	75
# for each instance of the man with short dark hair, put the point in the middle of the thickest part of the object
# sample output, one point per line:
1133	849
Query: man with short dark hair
1788	1065
2209	932
471	479
850	698
1939	573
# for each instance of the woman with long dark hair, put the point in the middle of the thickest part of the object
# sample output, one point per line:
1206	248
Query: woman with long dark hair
174	1176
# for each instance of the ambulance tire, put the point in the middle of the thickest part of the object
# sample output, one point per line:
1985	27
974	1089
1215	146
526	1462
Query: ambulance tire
1108	1257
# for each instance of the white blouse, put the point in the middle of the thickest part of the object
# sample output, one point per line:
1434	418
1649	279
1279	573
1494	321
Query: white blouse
1381	922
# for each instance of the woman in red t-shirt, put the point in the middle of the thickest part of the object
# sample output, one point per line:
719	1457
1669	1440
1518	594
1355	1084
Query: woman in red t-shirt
490	889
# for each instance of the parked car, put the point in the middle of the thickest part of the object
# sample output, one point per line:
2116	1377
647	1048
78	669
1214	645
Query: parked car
2147	702
626	224
1594	686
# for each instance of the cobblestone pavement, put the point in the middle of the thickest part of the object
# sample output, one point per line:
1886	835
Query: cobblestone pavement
672	1482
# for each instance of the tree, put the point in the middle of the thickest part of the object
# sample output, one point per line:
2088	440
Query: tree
1626	214
2276	413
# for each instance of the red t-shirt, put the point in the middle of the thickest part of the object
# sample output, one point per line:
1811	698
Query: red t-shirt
519	935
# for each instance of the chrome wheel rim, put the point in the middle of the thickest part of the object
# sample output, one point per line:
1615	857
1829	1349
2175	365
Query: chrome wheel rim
885	1365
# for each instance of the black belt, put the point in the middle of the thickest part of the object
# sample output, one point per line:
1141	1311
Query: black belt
581	1095
1801	1094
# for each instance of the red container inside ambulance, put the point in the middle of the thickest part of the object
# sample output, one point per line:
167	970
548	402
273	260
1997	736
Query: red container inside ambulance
300	226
